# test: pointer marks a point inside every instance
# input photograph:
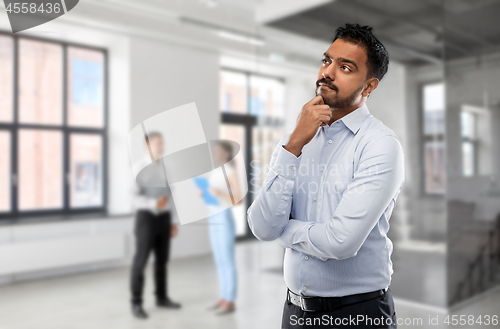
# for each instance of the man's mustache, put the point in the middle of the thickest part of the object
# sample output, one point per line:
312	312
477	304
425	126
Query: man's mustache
325	82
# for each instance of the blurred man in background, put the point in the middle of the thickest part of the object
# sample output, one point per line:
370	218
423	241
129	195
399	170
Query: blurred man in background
153	229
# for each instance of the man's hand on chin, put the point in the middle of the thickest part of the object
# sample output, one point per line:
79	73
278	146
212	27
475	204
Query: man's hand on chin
314	114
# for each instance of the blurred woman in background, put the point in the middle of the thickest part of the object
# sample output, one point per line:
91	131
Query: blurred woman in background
222	227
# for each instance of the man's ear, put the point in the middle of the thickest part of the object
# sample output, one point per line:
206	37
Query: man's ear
370	85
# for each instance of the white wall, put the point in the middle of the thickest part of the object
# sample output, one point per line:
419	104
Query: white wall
37	250
299	91
164	76
427	213
388	104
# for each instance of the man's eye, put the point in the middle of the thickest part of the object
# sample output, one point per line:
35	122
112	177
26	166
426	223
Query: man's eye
346	68
324	61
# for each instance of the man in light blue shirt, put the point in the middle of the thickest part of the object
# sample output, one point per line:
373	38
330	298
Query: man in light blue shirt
329	194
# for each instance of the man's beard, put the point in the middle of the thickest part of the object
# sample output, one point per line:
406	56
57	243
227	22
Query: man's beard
335	102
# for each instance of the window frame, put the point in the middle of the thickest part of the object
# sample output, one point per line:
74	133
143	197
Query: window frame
474	141
66	130
248	121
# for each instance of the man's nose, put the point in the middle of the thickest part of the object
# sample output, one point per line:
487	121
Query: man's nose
329	73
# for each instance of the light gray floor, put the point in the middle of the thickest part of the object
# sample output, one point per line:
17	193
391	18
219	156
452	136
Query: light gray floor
100	299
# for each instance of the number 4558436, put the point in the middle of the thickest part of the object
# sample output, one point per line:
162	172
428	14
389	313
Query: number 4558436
33	8
485	320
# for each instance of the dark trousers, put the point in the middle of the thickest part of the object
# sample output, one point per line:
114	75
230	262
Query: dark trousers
152	233
366	315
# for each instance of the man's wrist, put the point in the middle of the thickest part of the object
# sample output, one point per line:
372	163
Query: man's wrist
293	146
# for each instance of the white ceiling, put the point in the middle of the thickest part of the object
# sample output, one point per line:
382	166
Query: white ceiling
225	26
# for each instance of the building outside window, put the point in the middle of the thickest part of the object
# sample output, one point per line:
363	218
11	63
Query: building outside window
52	127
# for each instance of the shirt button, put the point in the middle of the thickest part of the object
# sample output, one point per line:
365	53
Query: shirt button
305	288
330	141
293	168
307	257
314	199
322	169
285	198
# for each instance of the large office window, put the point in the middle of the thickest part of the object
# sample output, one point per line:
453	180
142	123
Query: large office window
477	139
52	127
252	110
433	137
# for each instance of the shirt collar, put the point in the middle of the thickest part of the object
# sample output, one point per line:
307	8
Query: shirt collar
355	119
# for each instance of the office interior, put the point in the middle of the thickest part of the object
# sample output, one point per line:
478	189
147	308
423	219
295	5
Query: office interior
73	88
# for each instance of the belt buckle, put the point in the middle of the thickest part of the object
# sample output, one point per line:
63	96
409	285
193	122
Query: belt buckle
302	306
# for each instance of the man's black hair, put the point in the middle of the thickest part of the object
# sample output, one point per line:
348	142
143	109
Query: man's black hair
378	58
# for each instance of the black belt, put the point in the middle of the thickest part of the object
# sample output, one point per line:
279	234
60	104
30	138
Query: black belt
318	304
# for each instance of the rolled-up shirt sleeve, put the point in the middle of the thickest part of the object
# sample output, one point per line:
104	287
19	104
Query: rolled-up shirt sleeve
375	184
270	211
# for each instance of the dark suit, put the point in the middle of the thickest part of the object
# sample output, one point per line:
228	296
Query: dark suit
152	233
